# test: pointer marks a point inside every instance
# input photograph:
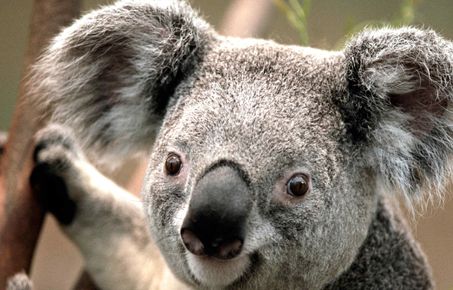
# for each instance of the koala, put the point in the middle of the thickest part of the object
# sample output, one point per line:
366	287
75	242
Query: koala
270	166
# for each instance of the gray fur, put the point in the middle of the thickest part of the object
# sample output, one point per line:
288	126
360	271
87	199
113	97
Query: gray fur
410	143
362	123
385	257
112	77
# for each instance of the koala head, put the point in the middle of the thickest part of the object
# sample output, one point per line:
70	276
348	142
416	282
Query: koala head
266	160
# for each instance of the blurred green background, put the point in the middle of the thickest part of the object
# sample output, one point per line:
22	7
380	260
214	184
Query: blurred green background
327	23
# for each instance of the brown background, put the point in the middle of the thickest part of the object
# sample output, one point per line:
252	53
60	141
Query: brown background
57	263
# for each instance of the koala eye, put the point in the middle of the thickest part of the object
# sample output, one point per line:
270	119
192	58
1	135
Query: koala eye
173	164
298	185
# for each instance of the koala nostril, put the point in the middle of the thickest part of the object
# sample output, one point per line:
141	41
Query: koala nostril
229	250
219	249
216	220
192	242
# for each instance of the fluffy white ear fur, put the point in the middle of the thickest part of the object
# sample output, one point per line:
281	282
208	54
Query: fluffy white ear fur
401	87
111	74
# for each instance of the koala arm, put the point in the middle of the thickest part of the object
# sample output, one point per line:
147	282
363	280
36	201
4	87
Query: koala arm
105	222
390	258
110	77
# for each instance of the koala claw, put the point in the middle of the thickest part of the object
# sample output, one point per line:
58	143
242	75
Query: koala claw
52	142
54	155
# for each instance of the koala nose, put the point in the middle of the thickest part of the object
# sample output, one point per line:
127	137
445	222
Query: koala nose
216	220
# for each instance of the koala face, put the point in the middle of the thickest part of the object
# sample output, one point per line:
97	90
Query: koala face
247	118
268	132
267	161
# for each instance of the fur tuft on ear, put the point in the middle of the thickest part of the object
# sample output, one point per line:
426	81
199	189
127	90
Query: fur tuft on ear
399	106
110	75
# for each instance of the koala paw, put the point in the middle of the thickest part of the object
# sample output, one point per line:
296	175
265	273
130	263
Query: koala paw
55	154
19	281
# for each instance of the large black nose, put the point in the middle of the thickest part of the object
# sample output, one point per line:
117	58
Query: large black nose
218	210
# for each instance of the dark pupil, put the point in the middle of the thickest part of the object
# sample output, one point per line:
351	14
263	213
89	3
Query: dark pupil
297	186
173	165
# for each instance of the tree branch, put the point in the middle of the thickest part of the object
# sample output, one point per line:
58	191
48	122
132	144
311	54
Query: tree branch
20	214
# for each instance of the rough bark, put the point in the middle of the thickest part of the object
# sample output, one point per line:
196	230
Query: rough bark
20	214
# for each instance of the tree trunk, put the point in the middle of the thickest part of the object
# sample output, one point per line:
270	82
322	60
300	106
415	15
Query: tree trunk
20	215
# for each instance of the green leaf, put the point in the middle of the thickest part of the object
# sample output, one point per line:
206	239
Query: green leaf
296	11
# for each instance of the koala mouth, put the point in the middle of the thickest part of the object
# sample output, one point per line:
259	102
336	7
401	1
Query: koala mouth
213	272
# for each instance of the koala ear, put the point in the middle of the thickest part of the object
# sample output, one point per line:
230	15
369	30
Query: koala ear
111	75
398	106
